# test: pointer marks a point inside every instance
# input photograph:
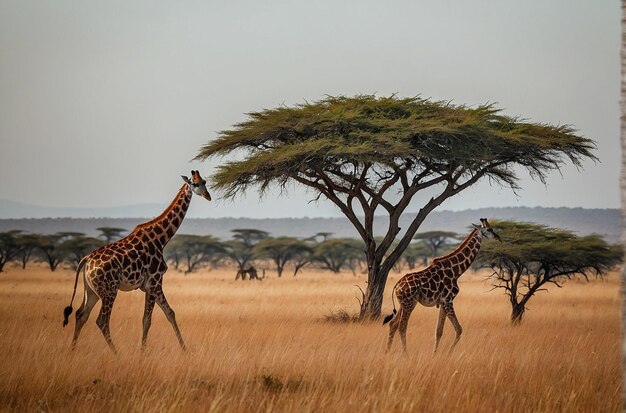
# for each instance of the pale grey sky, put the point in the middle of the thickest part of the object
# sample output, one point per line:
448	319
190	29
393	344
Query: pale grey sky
104	103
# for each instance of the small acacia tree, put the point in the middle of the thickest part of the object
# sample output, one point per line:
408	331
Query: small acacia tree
281	250
111	234
367	153
9	247
531	256
27	244
416	251
435	239
50	250
241	248
76	246
336	253
193	250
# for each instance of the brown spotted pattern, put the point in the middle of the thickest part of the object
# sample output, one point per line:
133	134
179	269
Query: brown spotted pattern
134	262
436	285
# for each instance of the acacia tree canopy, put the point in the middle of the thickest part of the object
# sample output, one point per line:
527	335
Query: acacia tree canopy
365	152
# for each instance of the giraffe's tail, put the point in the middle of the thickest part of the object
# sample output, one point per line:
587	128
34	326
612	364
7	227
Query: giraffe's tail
68	310
394	312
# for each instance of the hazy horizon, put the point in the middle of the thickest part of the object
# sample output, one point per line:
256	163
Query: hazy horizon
105	104
15	211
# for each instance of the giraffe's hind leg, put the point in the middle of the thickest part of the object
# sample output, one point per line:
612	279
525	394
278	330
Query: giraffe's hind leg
449	309
442	320
82	314
171	316
393	327
105	316
404	322
147	316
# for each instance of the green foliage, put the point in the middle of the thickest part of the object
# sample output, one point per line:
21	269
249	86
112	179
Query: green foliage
249	237
282	250
111	234
416	251
435	239
241	248
27	244
51	250
388	131
9	247
75	246
532	255
335	254
193	251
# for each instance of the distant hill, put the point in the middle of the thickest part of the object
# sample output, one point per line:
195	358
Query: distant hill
16	210
605	222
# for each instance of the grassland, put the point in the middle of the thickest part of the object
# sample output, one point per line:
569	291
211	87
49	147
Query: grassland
264	346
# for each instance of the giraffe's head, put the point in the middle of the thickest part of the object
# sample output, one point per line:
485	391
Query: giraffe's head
485	230
197	185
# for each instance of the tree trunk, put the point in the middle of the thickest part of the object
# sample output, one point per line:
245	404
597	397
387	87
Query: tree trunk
517	313
298	267
373	297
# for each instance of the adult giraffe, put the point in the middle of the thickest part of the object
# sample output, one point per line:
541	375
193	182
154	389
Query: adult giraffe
135	261
436	285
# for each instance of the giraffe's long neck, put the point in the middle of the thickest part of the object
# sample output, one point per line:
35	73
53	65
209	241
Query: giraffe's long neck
161	229
462	257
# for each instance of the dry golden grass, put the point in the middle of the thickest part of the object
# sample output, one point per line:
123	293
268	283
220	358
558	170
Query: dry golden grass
263	346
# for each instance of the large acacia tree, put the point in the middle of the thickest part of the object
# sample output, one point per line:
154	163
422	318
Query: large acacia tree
369	154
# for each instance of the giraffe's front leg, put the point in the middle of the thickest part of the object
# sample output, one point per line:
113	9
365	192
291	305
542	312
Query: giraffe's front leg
440	324
147	316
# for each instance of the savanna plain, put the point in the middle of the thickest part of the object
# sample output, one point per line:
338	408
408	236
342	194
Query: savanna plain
268	346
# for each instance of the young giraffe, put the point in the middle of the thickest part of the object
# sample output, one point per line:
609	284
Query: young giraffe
436	285
135	261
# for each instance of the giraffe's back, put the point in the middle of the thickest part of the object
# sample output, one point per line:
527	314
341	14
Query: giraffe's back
428	287
126	262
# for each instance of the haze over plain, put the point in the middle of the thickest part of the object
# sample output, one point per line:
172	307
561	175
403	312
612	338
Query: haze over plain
104	105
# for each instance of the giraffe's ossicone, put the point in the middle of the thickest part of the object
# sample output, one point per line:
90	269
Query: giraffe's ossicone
436	285
135	261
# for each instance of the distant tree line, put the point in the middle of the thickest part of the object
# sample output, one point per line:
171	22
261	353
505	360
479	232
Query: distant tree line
52	249
191	253
530	256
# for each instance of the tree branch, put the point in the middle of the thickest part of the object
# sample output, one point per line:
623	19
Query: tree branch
348	212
